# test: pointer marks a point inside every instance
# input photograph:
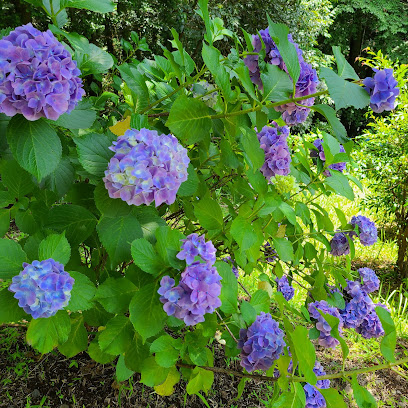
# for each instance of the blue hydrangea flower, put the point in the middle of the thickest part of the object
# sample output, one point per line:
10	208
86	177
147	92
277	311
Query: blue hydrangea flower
146	167
339	244
38	77
196	294
371	326
194	246
371	283
319	371
277	154
42	288
367	231
314	398
270	253
382	89
261	344
318	143
325	339
235	270
283	286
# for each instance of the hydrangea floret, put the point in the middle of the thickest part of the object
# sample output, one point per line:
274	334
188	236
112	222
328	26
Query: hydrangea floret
314	398
196	246
42	288
285	184
146	167
283	286
371	326
261	344
383	90
319	371
339	244
318	143
371	283
367	231
38	77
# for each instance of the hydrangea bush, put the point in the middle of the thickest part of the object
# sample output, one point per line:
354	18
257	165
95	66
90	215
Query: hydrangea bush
142	209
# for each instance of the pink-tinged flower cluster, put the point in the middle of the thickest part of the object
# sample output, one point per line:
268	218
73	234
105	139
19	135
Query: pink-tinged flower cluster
325	338
261	344
339	244
382	89
146	167
38	77
318	143
283	286
367	231
199	288
371	283
42	288
277	154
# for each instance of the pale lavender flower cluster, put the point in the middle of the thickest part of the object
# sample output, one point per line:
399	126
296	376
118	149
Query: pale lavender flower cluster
235	270
371	283
314	398
42	288
325	338
38	77
277	154
382	89
283	286
261	344
367	231
199	288
146	167
318	143
339	244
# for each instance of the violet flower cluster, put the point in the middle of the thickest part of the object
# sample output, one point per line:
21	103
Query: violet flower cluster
371	326
146	167
270	254
339	244
382	89
283	286
38	77
319	371
318	143
42	288
277	154
306	84
367	231
229	260
370	280
199	288
314	398
261	344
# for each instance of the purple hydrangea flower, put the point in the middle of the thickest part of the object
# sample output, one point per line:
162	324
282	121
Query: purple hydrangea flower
277	154
339	244
42	288
195	245
366	228
314	398
235	270
371	283
196	294
318	143
146	167
382	89
38	77
371	326
261	344
319	370
283	286
325	339
271	254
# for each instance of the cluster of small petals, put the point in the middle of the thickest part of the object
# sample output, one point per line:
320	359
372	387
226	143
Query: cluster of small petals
261	344
283	286
270	254
235	270
196	294
314	398
339	244
42	288
371	326
285	184
371	283
318	143
319	371
196	246
277	154
366	228
146	167
325	339
38	77
382	89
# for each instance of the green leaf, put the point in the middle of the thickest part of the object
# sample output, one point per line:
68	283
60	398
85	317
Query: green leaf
77	339
294	399
149	221
62	178
97	354
243	75
229	288
343	92
115	294
189	120
248	312
99	6
56	247
252	149
152	373
284	249
94	153
330	114
136	353
334	324
46	333
201	380
344	69
35	145
11	258
82	293
389	341
333	398
167	350
167	388
110	207
243	232
77	222
4	221
363	397
116	235
18	181
116	336
277	85
82	117
340	184
122	372
261	301
209	213
189	187
168	246
279	34
10	311
146	258
146	311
